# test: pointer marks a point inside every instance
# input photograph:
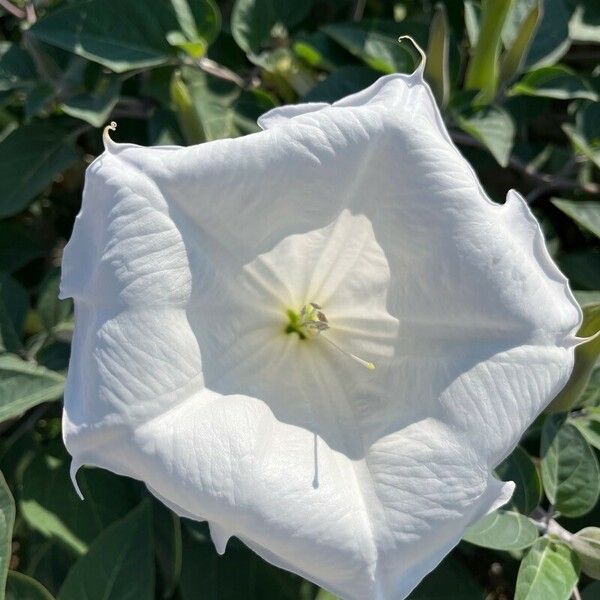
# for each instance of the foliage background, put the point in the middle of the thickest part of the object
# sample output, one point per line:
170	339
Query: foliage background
519	91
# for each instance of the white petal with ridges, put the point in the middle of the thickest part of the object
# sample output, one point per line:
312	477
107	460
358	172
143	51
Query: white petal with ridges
182	265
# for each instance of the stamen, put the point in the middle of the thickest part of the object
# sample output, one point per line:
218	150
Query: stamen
312	322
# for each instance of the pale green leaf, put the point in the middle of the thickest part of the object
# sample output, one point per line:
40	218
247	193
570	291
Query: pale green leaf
585	213
549	571
553	82
24	385
570	471
587	545
502	530
7	520
493	127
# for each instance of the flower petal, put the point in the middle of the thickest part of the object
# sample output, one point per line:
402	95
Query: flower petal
182	265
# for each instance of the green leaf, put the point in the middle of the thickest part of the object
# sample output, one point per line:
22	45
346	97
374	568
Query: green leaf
586	355
23	587
472	21
14	303
519	467
582	268
551	40
587	421
585	213
570	471
492	126
50	505
587	545
343	81
253	20
94	107
591	592
210	108
16	67
591	394
436	68
375	43
30	158
581	145
24	385
516	53
549	571
502	530
122	35
449	575
553	82
320	51
168	546
17	246
7	520
118	565
482	70
52	311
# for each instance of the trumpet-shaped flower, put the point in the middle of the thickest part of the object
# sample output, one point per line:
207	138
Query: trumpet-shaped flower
320	338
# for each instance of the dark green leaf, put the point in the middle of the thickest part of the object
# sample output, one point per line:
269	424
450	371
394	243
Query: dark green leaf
549	571
591	592
493	127
570	471
7	520
375	43
51	506
121	35
553	82
95	106
119	565
253	20
343	81
519	467
24	385
14	303
23	587
168	546
52	311
17	246
449	575
16	67
502	530
320	51
582	268
30	158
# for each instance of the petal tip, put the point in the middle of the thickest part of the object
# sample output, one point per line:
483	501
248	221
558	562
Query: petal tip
219	536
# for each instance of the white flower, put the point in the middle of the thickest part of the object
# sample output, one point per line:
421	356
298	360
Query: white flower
231	296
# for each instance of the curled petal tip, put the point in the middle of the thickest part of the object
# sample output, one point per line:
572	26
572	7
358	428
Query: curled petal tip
421	67
106	139
73	474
